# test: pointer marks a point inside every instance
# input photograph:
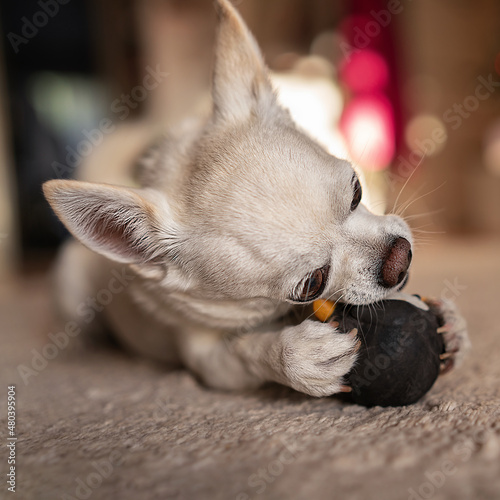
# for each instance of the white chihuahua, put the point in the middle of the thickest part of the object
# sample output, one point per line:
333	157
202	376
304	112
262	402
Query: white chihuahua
235	226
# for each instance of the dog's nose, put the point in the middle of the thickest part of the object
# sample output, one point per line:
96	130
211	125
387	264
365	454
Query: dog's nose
396	264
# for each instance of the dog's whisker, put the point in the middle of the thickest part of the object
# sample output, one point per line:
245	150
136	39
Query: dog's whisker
419	237
410	203
403	206
420	244
423	214
360	325
405	184
330	298
423	235
425	231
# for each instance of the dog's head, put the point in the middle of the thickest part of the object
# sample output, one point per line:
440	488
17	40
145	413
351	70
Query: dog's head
259	209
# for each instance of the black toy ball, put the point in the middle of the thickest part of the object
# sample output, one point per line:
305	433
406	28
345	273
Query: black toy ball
399	357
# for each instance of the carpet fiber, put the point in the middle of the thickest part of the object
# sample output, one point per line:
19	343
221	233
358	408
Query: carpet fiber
101	424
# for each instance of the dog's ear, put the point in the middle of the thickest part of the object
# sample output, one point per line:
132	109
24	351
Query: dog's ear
131	226
241	83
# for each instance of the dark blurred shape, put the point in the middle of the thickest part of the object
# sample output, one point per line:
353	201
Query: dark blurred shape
40	36
55	38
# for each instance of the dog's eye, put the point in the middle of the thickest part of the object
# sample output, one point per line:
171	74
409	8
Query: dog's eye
312	286
357	195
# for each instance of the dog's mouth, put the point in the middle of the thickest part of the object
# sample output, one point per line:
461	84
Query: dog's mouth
355	296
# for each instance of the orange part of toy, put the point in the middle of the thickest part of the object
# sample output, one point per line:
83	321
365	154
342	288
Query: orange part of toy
323	309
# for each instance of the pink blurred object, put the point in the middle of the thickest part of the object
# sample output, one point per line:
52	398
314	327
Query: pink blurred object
368	127
371	122
366	71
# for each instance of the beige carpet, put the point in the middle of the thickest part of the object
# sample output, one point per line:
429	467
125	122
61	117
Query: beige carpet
99	424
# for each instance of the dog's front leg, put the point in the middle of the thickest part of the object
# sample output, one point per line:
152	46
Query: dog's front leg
311	357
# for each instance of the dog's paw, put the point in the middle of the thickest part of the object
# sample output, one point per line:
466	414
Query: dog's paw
454	331
315	357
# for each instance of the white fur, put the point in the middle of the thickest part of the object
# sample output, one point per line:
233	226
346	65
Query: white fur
228	220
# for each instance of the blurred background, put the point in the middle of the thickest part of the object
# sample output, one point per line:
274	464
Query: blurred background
409	91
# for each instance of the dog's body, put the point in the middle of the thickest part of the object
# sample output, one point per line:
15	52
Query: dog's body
235	224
